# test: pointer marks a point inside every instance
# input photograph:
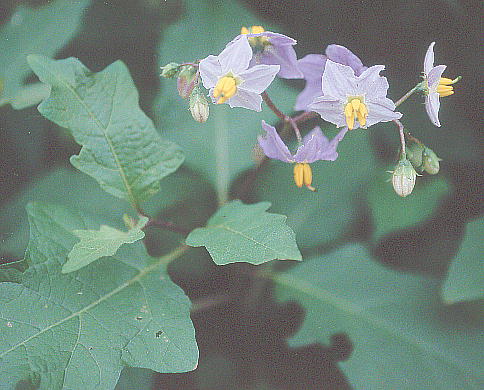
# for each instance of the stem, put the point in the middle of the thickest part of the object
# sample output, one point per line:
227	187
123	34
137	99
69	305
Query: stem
273	107
407	95
296	129
167	225
402	137
412	138
305	116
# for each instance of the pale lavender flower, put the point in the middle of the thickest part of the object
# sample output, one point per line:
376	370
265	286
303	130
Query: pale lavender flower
347	97
312	67
229	78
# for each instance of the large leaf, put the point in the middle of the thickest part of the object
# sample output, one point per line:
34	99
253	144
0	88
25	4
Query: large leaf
392	212
403	338
120	146
246	233
465	280
223	146
319	217
78	330
42	30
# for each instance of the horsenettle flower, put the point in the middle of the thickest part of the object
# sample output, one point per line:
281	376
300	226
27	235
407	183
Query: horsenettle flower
354	101
315	146
271	48
312	67
435	86
230	80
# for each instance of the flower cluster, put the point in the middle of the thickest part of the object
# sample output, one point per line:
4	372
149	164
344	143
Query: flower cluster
338	88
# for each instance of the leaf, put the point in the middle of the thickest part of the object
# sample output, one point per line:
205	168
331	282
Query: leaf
392	212
322	216
465	279
79	330
120	146
246	233
42	30
222	147
402	336
95	244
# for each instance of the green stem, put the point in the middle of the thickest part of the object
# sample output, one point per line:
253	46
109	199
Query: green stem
407	95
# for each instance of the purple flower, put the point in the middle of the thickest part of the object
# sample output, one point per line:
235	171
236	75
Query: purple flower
347	97
312	67
229	78
435	86
315	146
271	48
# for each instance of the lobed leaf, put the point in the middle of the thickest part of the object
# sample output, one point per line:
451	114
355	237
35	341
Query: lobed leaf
246	233
120	146
402	337
78	330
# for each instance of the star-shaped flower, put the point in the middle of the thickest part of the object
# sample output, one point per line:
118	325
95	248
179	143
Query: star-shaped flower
354	100
312	67
229	78
271	48
435	86
315	146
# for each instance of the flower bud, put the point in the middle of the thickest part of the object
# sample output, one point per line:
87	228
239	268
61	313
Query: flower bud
403	178
187	79
198	105
170	70
415	155
430	161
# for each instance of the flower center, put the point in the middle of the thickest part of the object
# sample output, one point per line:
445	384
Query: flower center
226	88
257	43
445	87
303	175
355	108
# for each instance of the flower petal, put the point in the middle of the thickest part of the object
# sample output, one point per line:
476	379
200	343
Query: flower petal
273	146
429	59
236	56
342	55
285	56
312	67
313	143
331	109
433	77
246	99
210	71
381	110
339	81
371	84
258	78
432	106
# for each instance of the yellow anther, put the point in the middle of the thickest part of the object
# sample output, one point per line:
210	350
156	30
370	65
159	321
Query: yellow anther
226	88
445	86
444	94
303	175
244	30
350	116
355	108
445	81
356	104
299	174
257	29
361	118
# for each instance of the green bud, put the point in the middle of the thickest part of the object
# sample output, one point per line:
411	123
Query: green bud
187	78
431	161
198	105
415	155
170	70
403	178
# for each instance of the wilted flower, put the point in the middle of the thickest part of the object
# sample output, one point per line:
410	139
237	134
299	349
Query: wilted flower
315	146
198	105
271	48
312	67
187	79
435	86
347	97
403	177
229	78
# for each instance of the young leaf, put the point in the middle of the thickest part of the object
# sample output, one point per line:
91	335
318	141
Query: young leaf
43	30
402	338
391	212
465	280
222	147
95	244
120	146
246	233
79	330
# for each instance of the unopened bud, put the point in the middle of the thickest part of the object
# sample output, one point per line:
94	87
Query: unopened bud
430	161
198	105
170	70
187	79
403	178
415	155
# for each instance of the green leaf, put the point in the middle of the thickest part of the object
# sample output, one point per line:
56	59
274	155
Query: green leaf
95	244
246	233
79	330
41	30
322	216
402	337
120	146
222	147
392	212
465	279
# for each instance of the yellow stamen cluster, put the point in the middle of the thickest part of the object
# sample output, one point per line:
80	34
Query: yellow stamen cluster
226	88
355	108
303	175
445	88
252	30
255	41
